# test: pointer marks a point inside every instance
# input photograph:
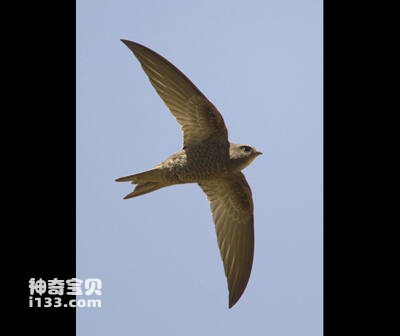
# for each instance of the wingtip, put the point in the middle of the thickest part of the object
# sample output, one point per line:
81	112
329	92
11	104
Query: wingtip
131	44
233	299
126	42
231	303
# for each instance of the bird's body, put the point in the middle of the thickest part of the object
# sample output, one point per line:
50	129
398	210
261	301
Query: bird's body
207	158
197	162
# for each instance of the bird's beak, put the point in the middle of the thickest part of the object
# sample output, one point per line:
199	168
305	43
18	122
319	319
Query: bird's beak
258	153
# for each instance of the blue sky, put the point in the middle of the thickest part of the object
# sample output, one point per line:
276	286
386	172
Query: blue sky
260	63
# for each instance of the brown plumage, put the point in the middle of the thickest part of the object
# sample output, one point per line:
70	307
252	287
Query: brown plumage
207	158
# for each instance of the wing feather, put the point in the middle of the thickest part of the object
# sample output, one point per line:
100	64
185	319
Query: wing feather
198	117
232	209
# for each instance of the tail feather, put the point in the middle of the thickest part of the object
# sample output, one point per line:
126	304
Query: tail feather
144	189
147	176
146	182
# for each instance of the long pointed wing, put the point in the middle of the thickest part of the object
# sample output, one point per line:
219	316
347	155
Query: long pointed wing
198	117
232	209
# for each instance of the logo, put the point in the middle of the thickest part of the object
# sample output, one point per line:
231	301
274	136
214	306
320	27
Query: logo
52	292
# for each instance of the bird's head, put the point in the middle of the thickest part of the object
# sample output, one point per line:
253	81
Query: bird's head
242	155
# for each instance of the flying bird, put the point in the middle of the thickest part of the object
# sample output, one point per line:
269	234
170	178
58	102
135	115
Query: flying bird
206	158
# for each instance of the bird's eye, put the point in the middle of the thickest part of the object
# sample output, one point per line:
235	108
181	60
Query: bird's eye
245	148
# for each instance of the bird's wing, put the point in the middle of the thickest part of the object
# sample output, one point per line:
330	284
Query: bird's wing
232	209
198	117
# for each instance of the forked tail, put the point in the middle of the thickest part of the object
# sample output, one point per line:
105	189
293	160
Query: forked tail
145	182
